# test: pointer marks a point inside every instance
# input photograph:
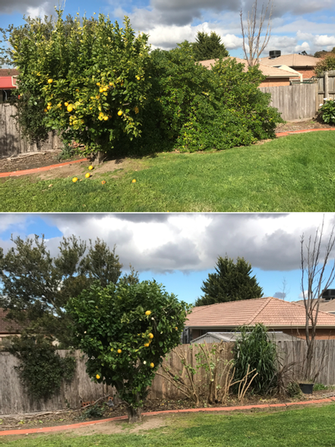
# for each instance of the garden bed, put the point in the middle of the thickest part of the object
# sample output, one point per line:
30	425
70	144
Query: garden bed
65	417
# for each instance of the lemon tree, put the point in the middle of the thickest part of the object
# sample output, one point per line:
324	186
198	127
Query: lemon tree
87	78
125	330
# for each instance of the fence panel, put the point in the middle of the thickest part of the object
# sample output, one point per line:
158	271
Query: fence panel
294	102
11	141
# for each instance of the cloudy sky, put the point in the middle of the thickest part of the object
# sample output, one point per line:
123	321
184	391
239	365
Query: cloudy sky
296	25
179	250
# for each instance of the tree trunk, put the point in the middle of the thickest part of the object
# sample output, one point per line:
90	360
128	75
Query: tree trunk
99	157
134	414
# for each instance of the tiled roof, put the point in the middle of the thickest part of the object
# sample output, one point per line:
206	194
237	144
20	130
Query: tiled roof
292	60
7	326
272	312
268	71
8	72
7	82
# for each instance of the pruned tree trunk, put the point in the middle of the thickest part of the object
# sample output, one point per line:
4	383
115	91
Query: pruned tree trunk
134	414
99	157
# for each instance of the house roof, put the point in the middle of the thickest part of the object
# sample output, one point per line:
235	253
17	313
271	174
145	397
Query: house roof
268	71
7	82
9	72
8	326
292	60
272	312
325	305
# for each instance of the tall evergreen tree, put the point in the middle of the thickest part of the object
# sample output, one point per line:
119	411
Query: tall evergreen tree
230	282
35	286
208	46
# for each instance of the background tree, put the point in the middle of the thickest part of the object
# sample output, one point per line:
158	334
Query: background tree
231	282
208	46
327	64
87	78
126	330
35	286
315	279
253	42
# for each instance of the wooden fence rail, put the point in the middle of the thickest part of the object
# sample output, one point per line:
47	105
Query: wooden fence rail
14	398
11	141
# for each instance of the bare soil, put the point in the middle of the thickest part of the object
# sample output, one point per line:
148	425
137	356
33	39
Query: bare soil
66	417
42	159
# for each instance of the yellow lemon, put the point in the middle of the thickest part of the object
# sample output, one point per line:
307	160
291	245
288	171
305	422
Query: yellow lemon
75	179
97	376
176	328
152	365
148	312
138	78
133	181
120	113
69	108
151	335
103	182
105	118
119	351
88	175
50	81
90	168
66	104
146	345
112	349
98	84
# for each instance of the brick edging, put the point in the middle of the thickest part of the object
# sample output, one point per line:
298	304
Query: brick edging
290	132
156	413
37	170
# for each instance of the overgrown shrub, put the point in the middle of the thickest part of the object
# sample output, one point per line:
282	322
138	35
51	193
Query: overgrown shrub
41	369
327	112
254	348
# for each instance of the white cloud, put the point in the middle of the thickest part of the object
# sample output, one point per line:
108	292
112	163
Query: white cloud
191	242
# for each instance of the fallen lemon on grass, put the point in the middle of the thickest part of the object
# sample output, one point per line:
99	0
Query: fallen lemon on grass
88	175
133	181
90	168
103	182
75	179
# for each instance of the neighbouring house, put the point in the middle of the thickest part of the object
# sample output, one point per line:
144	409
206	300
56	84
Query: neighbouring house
274	76
7	82
226	337
327	301
275	314
305	65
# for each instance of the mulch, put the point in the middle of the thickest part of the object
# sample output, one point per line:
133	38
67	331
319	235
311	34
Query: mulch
47	158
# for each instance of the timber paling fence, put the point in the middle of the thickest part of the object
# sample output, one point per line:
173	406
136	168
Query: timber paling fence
15	400
11	141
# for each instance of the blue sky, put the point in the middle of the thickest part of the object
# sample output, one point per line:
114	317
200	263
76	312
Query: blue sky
179	250
296	26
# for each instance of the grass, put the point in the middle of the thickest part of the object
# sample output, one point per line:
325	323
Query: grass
308	427
294	173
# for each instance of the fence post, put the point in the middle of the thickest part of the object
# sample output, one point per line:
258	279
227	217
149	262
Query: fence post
326	85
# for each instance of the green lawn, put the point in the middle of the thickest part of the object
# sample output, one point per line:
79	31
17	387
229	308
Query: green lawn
294	173
307	427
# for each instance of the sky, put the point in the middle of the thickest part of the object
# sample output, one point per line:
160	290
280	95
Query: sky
300	25
180	250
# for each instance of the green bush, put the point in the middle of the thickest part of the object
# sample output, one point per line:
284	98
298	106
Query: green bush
41	369
254	348
327	112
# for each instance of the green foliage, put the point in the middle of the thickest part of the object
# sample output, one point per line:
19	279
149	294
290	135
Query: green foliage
231	282
319	387
87	77
327	64
36	286
41	369
125	330
327	111
254	348
208	46
95	411
293	389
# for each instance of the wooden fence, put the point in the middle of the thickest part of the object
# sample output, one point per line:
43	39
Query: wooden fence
295	102
326	86
11	141
14	399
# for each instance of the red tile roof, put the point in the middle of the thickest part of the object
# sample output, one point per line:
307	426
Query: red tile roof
9	72
272	312
7	82
8	326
